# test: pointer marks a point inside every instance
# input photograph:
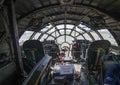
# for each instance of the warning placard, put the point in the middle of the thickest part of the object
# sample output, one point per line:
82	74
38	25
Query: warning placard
67	69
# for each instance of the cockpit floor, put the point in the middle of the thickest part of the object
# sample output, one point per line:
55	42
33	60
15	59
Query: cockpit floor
76	76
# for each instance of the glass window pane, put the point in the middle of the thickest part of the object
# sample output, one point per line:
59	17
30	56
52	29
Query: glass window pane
85	27
26	35
108	36
46	28
61	39
68	31
96	37
53	34
60	26
50	38
73	33
69	26
36	36
80	37
61	32
56	34
69	39
76	34
79	30
49	26
52	30
44	37
87	37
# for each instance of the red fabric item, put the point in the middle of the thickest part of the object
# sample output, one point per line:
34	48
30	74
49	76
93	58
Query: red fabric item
62	54
76	73
75	46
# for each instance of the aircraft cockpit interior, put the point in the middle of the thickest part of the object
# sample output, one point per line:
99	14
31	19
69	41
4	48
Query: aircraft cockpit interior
59	42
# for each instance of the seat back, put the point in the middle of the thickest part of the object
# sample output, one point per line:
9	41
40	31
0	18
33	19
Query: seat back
51	48
33	50
76	51
92	54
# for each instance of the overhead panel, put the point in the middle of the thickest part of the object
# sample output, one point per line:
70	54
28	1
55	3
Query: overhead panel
86	1
53	11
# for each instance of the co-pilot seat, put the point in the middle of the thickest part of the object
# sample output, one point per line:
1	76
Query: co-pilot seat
34	52
96	50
